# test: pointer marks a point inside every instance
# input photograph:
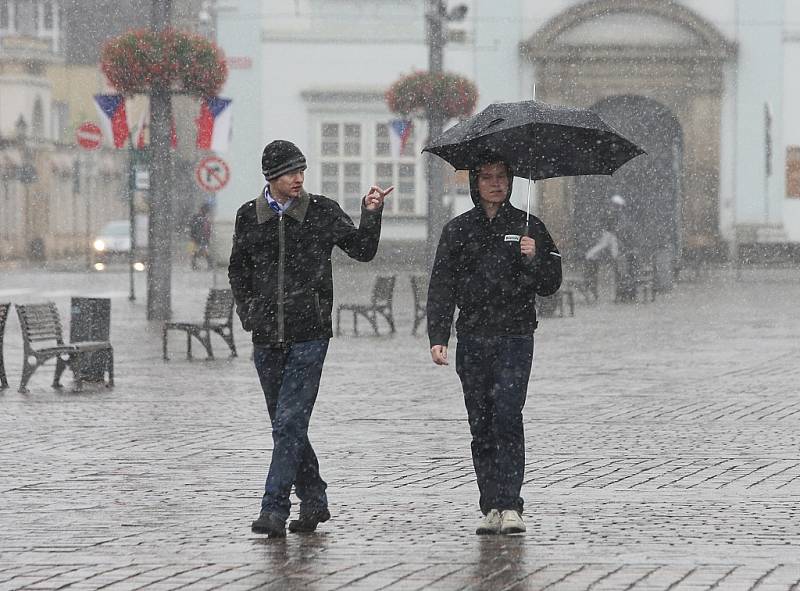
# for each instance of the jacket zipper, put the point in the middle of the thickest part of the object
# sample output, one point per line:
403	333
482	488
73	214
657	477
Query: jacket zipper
281	262
318	307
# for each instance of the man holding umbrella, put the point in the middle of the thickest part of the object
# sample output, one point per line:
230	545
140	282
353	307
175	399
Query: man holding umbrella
491	263
492	272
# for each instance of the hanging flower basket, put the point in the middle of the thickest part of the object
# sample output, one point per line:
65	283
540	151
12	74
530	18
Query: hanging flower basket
418	92
139	61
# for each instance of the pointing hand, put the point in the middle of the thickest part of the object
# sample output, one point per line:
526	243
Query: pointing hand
374	199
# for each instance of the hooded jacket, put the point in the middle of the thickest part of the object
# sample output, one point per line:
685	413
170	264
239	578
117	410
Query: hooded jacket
280	266
479	269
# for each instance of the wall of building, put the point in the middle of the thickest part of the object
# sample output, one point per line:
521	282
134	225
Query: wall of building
317	46
791	98
759	197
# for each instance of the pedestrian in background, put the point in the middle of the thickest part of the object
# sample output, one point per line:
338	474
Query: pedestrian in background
607	246
280	274
200	233
492	273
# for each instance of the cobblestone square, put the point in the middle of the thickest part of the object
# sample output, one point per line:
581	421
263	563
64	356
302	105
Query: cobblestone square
663	452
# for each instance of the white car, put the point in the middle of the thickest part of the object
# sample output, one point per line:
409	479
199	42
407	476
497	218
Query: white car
113	243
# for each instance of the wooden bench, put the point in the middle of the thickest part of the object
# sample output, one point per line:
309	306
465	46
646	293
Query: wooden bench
380	304
218	318
3	317
42	339
420	290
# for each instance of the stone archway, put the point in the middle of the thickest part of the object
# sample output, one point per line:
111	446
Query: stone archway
673	61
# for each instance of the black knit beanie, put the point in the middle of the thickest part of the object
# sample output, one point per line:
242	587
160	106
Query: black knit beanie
280	157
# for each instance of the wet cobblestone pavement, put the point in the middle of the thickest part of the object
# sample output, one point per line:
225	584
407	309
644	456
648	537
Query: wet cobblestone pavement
663	452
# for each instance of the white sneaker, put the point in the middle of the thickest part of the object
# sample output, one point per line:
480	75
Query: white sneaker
511	522
490	524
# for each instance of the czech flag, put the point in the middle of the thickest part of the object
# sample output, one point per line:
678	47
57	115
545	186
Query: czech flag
113	118
214	125
399	132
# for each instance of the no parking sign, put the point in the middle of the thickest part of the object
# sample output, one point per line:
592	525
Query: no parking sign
212	173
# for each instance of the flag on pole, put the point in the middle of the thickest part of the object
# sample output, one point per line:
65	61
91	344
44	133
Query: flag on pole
214	124
113	119
399	133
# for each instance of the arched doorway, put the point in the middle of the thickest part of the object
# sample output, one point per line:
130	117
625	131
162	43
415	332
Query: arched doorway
664	62
649	184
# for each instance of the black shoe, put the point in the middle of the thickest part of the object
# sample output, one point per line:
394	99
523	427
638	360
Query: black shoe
309	520
270	524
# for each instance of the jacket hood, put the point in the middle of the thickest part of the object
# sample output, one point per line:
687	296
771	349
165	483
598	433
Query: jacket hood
473	185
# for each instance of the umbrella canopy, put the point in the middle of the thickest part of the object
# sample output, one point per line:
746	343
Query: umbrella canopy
537	140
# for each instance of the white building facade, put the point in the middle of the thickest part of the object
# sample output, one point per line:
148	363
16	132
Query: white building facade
702	84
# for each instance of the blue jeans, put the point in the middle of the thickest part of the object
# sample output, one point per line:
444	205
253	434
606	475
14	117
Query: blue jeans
494	374
290	380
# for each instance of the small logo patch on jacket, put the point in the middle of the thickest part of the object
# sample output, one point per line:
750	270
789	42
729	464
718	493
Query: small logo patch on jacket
512	237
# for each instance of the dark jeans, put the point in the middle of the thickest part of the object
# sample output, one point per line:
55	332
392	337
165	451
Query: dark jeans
494	374
290	380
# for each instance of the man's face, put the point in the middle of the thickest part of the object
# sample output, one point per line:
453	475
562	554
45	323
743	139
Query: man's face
287	186
493	182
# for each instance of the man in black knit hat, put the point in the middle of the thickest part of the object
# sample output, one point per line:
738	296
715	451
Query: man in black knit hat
280	273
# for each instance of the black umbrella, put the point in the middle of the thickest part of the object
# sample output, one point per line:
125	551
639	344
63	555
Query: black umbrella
537	140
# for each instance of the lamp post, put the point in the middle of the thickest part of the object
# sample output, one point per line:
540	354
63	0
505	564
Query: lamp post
159	269
27	176
436	18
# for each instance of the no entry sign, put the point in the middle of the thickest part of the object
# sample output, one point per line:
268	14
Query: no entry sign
89	136
212	173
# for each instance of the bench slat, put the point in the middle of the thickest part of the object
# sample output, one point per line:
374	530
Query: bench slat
40	322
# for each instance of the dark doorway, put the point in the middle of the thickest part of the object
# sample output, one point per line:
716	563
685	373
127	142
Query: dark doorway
650	186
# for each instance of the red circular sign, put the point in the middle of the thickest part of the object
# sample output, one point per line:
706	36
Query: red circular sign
212	173
89	136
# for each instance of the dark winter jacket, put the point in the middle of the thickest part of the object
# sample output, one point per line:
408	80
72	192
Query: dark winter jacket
280	266
479	269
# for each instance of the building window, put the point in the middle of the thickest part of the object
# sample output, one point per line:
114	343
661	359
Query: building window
330	139
399	170
352	139
4	20
329	184
48	16
356	154
341	167
25	18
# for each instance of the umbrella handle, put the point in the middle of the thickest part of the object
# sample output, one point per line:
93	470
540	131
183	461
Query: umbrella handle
528	210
